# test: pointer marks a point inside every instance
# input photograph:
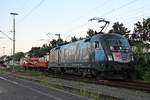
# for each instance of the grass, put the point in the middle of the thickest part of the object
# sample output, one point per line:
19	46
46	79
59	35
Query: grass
22	71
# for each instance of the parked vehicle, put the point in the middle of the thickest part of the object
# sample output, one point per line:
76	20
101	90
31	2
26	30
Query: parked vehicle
34	63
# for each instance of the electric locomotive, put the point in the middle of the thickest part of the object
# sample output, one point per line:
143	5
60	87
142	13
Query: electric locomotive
102	56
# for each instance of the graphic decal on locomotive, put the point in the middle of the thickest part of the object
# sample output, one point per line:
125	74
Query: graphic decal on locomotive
120	50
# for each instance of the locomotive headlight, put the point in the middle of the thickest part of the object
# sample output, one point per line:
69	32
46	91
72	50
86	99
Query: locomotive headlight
132	58
110	58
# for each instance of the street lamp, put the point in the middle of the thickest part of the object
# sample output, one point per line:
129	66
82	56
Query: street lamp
13	36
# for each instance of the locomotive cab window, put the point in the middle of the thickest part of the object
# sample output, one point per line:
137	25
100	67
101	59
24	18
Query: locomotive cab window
97	45
118	44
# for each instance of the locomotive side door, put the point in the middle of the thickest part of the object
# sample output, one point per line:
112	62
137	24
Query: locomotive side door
99	52
58	55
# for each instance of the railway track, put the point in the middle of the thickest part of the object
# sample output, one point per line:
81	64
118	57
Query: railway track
134	85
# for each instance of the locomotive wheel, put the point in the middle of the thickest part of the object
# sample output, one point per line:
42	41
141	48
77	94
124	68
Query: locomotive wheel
62	70
93	73
100	75
88	73
132	75
84	74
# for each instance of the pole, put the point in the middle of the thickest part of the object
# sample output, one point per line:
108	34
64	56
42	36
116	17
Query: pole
3	50
13	38
58	35
11	52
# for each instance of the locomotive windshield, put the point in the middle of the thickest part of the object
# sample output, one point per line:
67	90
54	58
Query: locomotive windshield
118	44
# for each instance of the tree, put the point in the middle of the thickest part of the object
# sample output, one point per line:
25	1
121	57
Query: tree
53	43
59	41
44	46
120	29
39	51
18	55
142	31
90	32
34	52
73	39
141	37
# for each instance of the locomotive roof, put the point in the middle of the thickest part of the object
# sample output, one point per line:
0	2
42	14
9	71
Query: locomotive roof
113	34
102	36
108	35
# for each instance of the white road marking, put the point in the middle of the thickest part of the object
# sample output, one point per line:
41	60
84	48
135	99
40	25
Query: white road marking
43	93
9	80
28	87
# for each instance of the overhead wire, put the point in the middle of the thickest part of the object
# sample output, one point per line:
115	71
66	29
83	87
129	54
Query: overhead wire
22	8
5	35
34	8
18	11
120	7
128	14
80	17
135	17
31	11
97	7
136	14
113	10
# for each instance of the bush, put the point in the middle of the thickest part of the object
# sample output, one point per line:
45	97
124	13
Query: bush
142	61
146	76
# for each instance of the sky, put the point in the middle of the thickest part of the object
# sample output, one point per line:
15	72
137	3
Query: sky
38	21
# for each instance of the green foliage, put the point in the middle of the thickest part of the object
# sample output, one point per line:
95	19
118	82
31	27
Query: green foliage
18	55
142	61
73	39
59	41
90	32
54	42
34	51
142	30
11	67
139	48
39	51
120	29
146	76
